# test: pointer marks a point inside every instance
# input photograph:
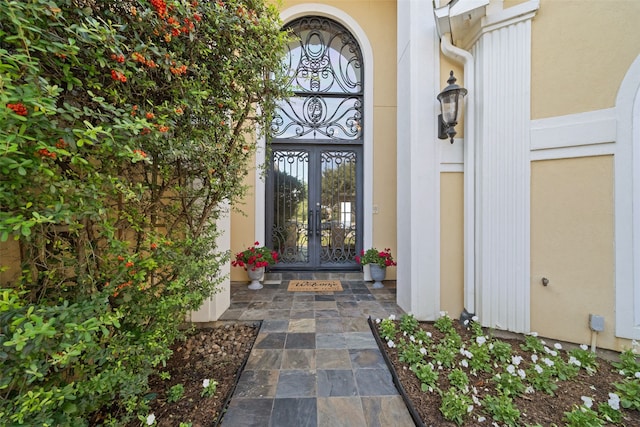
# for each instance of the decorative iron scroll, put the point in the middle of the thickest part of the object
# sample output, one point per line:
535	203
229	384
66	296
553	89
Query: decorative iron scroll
290	204
339	207
324	64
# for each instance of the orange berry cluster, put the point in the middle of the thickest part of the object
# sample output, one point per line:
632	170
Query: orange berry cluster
188	25
138	57
144	156
18	108
46	153
121	287
61	143
176	28
150	116
178	71
117	58
118	76
161	7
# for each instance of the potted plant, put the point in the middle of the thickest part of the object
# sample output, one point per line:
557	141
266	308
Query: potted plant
254	260
378	262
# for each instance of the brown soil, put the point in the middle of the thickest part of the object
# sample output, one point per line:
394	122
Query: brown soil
218	353
215	353
538	408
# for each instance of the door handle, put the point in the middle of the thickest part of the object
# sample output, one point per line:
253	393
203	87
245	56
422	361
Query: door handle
310	223
318	223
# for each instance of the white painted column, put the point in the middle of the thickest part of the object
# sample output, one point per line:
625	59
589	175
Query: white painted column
418	157
503	83
213	307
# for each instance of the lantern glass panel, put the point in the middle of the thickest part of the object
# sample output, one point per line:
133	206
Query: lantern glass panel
449	104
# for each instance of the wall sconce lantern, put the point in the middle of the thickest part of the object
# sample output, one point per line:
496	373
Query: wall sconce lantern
448	118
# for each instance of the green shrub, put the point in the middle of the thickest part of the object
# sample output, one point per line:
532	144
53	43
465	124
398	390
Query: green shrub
582	416
455	406
125	127
175	393
408	324
629	391
388	329
502	409
427	375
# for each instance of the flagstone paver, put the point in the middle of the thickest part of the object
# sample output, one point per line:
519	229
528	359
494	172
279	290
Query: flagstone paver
315	361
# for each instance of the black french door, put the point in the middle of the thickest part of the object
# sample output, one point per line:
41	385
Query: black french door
314	206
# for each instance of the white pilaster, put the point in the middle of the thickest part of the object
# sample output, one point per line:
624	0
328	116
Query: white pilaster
627	204
418	157
503	81
213	307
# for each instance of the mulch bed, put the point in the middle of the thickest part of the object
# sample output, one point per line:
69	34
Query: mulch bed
538	408
217	353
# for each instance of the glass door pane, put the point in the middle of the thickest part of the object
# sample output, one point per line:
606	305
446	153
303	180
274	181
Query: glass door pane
290	206
339	207
314	207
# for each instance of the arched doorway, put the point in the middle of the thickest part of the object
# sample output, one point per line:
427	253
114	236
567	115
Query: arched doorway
314	208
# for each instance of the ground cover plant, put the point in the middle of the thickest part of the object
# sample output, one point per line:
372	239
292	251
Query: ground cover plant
464	375
126	127
197	380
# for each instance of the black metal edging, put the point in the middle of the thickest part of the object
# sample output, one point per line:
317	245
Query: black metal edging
223	410
396	381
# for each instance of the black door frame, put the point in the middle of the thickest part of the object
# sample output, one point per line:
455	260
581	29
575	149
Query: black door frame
314	234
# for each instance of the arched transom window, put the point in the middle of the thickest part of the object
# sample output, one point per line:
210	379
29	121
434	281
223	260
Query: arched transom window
324	65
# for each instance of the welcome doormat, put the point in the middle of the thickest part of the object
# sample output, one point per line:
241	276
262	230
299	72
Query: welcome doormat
315	286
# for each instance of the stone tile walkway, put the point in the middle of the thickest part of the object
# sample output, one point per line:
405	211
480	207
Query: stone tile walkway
315	361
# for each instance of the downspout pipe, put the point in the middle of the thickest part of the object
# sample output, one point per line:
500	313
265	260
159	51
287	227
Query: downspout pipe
465	58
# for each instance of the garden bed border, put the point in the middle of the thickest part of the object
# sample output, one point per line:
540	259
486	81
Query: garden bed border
227	400
396	381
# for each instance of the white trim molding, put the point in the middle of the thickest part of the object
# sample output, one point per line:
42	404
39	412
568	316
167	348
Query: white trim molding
260	195
418	161
452	155
575	135
627	205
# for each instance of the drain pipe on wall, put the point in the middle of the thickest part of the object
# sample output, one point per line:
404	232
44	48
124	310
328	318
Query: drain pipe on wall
465	58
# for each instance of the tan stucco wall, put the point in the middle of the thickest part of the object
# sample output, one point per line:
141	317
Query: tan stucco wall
452	243
377	18
243	225
9	262
581	51
572	227
384	194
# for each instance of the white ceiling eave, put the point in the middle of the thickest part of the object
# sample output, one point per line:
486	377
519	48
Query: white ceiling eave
460	18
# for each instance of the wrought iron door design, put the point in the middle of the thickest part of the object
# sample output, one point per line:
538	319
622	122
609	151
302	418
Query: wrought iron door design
315	206
314	196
